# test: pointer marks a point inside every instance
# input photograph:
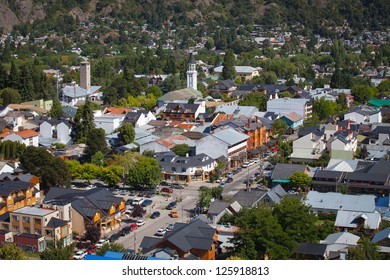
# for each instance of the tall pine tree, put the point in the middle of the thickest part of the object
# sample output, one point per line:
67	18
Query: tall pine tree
229	71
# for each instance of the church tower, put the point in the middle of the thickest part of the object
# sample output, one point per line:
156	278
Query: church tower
192	74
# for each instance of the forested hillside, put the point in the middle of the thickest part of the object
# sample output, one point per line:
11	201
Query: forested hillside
313	14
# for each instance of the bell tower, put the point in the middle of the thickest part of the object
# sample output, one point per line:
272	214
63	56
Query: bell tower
192	74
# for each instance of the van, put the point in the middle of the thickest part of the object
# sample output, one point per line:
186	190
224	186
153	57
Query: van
138	201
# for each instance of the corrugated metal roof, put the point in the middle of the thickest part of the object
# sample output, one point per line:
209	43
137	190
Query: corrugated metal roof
381	235
230	136
350	219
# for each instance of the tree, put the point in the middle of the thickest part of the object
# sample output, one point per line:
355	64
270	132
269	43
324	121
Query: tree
279	127
384	86
364	251
229	62
114	247
57	251
83	122
138	211
362	93
300	180
296	219
260	234
56	110
343	102
98	159
93	233
126	133
146	172
51	170
155	90
254	99
324	108
10	96
11	252
112	175
96	142
181	149
285	149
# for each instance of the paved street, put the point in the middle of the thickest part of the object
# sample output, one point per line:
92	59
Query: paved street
186	198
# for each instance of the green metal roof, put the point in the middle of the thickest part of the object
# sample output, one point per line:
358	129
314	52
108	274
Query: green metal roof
280	181
379	102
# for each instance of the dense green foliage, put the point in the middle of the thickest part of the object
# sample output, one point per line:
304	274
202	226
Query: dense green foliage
11	252
57	251
181	149
126	133
254	99
145	173
11	149
114	247
52	171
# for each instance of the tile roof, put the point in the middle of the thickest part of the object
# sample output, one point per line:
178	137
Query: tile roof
117	111
24	133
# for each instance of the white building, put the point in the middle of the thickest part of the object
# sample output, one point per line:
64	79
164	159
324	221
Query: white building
192	74
246	72
284	106
364	115
27	137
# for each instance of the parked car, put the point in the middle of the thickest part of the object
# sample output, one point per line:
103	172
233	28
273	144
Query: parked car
116	192
129	201
114	237
171	205
165	184
149	194
229	175
166	190
80	255
91	249
146	202
174	214
222	184
140	223
133	227
229	180
101	242
245	164
155	215
125	231
177	186
256	160
160	232
170	227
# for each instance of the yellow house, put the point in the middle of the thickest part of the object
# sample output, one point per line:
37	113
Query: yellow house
16	194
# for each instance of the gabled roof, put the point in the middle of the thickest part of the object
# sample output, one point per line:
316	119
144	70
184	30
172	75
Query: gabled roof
332	201
217	207
230	136
381	235
25	134
195	235
181	108
350	219
294	117
341	238
283	171
7	187
249	198
313	249
56	223
181	94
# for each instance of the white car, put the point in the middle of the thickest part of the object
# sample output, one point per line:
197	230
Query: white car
80	255
140	223
170	227
245	165
160	232
256	160
101	242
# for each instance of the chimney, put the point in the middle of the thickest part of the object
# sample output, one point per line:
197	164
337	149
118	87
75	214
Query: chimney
257	119
249	122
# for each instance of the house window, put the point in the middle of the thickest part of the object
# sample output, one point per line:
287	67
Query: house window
26	229
37	221
5	227
38	231
65	231
10	206
26	220
15	218
16	228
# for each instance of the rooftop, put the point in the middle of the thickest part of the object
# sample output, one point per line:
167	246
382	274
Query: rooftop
34	211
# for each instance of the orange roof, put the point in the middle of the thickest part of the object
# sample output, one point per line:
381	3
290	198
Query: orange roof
117	111
175	123
221	118
187	126
24	133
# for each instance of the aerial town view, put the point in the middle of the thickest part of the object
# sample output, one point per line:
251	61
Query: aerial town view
194	130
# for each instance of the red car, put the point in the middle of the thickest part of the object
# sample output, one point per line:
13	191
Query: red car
166	190
133	227
91	249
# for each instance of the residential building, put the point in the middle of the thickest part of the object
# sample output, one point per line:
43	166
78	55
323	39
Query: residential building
73	95
5	167
139	118
97	207
195	240
343	144
43	222
253	197
283	171
227	143
252	127
27	137
247	73
219	208
188	168
333	202
15	195
224	87
382	239
293	121
164	144
310	146
17	119
340	242
364	115
108	123
181	111
237	111
357	220
50	129
287	105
